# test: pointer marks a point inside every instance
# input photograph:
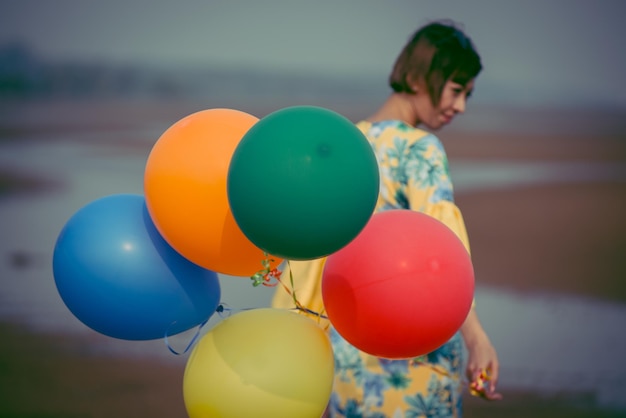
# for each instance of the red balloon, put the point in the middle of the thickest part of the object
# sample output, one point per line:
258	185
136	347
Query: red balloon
402	288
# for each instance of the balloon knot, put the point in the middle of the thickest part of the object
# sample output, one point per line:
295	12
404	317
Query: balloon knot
268	276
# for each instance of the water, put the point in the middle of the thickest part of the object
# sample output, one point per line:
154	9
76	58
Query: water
552	343
557	343
472	176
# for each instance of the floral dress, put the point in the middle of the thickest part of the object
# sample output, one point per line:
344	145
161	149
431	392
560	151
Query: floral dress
413	175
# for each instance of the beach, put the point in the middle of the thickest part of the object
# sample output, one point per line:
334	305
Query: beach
544	216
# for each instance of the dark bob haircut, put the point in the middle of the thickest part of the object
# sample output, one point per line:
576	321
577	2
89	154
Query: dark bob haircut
437	53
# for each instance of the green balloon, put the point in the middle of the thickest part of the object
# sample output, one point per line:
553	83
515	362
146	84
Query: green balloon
302	182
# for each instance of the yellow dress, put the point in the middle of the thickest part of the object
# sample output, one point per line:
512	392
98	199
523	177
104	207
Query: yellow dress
413	175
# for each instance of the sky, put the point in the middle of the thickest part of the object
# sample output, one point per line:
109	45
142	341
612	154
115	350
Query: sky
565	51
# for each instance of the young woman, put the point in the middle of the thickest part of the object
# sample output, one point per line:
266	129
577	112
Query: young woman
431	81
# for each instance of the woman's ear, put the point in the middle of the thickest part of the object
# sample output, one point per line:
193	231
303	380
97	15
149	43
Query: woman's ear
413	84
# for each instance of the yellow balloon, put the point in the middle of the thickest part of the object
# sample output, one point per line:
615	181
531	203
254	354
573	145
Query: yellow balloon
262	363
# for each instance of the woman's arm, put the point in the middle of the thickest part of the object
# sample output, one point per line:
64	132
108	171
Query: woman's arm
482	355
430	190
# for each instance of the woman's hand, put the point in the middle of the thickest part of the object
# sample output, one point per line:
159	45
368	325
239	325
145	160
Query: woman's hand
482	366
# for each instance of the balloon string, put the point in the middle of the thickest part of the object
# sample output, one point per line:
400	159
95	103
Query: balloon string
271	277
299	306
437	369
476	388
319	315
191	342
222	310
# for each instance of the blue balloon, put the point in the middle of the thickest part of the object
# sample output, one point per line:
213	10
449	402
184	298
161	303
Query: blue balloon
119	277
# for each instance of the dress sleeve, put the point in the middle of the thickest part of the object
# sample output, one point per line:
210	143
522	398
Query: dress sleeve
448	213
429	187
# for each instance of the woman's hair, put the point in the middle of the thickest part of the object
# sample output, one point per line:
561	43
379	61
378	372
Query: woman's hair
435	54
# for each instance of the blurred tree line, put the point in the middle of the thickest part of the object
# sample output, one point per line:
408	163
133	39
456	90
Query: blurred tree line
24	74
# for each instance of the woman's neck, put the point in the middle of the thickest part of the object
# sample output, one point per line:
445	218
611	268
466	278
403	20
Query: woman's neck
398	106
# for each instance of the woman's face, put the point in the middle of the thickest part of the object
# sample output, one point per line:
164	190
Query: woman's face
453	99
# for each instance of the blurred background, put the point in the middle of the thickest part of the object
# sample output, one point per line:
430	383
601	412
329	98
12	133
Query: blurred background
538	162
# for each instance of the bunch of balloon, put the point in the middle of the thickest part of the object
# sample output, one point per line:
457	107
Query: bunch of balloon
263	363
402	288
117	275
303	182
185	188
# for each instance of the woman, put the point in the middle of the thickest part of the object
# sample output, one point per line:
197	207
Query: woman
431	81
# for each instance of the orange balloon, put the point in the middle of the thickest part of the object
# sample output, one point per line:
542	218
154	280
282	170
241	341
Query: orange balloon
185	192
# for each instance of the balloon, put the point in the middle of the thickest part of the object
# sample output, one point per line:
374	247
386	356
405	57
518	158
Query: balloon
185	188
262	363
402	288
119	277
303	182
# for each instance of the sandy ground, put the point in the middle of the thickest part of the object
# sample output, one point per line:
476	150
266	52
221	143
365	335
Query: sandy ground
554	238
58	377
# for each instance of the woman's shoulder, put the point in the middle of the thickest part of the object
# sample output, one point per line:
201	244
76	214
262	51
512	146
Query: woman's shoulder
394	129
399	138
398	134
